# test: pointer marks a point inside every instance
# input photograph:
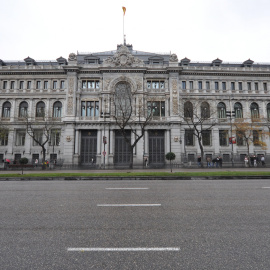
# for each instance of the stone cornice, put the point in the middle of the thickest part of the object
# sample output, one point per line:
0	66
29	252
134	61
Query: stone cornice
238	74
19	72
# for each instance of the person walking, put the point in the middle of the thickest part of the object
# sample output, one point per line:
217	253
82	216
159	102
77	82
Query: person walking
263	161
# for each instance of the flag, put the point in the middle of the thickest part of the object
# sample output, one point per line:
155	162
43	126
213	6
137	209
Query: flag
124	10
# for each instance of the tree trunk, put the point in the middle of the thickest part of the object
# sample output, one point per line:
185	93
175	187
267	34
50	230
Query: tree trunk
202	153
131	157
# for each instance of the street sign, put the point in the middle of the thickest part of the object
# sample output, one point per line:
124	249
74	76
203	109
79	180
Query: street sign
104	153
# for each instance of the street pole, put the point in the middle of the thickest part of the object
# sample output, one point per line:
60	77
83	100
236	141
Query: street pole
232	159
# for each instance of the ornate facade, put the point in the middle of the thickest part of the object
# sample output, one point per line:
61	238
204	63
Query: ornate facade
77	93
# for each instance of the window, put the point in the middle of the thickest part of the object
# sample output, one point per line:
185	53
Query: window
62	84
205	110
4	139
38	85
90	108
265	86
223	86
57	109
238	110
92	84
268	111
232	85
156	84
40	109
249	86
189	137
221	109
254	109
184	85
223	137
45	84
6	110
256	86
240	86
54	85
123	99
55	138
257	138
191	85
12	84
207	85
21	84
4	84
206	137
216	86
200	85
29	84
23	109
156	107
240	138
188	109
38	137
20	138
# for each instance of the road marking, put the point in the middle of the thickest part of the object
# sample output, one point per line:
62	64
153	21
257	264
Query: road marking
153	204
127	188
265	187
125	249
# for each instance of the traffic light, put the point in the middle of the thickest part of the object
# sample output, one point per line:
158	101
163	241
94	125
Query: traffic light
104	139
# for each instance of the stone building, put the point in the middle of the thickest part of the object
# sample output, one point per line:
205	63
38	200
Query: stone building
76	93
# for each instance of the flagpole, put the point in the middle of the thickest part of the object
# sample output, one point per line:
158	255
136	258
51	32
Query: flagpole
123	28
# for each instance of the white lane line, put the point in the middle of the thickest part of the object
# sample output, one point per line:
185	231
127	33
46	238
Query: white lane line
265	187
115	205
125	249
127	188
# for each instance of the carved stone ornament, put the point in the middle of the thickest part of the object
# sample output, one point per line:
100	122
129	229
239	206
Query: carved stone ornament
68	139
173	58
72	57
123	58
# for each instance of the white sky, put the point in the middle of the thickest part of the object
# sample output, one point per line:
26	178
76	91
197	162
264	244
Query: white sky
202	30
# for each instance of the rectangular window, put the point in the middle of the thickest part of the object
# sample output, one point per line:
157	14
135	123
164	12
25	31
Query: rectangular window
249	86
189	137
62	84
223	137
54	85
45	84
4	84
184	86
240	86
156	107
265	86
206	137
257	138
207	85
38	137
239	138
191	85
223	86
4	139
29	84
256	86
55	138
232	85
38	85
20	138
92	84
12	84
21	84
200	85
216	86
90	108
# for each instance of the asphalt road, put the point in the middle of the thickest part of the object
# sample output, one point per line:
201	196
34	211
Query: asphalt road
202	224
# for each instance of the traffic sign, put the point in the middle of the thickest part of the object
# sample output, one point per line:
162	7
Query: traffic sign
104	153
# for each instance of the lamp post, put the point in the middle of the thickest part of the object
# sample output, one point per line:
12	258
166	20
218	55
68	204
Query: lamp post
232	158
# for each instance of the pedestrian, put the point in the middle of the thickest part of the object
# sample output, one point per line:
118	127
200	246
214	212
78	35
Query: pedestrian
246	161
199	160
209	162
263	160
36	162
146	162
255	161
220	161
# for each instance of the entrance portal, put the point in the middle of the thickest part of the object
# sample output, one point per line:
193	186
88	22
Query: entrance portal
88	147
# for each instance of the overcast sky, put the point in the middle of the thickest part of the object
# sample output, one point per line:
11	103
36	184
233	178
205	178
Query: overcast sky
202	30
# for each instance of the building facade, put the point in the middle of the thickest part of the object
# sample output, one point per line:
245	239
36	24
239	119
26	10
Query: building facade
77	93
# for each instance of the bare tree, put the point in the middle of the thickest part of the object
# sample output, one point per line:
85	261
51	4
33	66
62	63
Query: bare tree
131	113
199	118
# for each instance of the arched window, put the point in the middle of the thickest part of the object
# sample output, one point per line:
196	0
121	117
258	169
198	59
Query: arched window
57	109
205	110
6	110
123	100
23	109
40	109
238	110
254	109
188	109
221	109
268	111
